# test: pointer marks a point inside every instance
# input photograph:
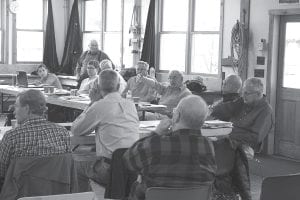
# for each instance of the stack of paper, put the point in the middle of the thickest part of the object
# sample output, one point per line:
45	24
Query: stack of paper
217	124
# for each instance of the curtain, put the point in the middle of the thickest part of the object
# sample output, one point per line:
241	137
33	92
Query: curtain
148	52
73	44
50	55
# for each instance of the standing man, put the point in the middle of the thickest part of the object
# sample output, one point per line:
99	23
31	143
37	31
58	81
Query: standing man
180	158
116	124
92	54
34	135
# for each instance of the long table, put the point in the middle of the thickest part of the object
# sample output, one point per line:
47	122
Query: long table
146	127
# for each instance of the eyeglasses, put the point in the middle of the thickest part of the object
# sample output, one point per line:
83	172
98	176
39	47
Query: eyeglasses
245	93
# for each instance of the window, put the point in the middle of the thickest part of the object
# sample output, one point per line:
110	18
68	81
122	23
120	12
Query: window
103	21
189	35
30	31
1	31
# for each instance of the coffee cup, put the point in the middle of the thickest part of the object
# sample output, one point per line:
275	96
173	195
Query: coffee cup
14	123
136	100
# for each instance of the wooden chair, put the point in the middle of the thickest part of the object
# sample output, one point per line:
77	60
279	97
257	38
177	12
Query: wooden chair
281	187
191	193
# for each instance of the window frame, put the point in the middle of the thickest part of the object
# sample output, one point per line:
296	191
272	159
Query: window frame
15	30
189	36
2	29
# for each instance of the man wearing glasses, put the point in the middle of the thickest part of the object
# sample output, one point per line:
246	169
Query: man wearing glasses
251	115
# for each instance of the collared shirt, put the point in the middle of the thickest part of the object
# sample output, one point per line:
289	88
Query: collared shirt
34	137
250	123
171	95
87	84
140	89
51	79
185	158
115	121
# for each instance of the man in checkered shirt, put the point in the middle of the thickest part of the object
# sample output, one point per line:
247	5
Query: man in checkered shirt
180	158
34	135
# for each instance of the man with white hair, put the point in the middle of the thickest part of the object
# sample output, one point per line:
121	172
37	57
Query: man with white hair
181	157
92	54
251	115
137	87
116	125
172	93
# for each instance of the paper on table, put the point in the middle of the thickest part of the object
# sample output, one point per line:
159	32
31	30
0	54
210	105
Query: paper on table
217	124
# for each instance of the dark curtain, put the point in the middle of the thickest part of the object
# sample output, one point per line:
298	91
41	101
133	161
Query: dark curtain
148	52
73	45
50	55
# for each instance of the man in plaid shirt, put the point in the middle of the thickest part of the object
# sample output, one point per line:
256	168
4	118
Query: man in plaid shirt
34	135
180	158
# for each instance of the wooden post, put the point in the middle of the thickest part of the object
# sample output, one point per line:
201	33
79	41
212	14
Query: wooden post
136	31
244	19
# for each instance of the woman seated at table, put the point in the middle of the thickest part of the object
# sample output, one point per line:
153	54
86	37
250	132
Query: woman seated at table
87	84
47	78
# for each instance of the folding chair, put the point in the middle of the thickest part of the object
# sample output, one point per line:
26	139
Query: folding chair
281	187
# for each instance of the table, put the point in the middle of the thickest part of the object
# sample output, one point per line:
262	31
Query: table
146	127
59	100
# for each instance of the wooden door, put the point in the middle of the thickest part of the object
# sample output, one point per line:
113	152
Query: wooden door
287	129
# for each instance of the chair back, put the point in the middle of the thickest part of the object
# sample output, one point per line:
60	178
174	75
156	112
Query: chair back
73	196
191	193
281	187
37	176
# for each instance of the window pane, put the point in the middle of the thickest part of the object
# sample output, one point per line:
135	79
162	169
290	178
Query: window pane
112	43
291	56
175	15
172	52
29	46
87	37
127	57
93	15
30	14
205	53
113	15
207	15
145	7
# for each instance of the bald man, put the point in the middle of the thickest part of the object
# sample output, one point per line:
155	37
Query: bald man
92	54
231	88
180	158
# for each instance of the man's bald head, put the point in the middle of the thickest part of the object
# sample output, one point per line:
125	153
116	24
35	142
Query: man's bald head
232	84
190	112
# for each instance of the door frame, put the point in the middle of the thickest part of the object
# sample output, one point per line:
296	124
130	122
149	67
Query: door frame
272	64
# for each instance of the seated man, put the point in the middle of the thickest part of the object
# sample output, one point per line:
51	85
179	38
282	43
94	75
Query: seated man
182	158
251	115
231	88
139	88
116	124
34	135
170	94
